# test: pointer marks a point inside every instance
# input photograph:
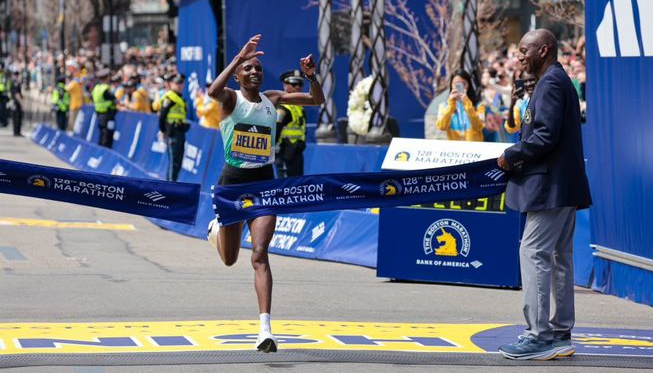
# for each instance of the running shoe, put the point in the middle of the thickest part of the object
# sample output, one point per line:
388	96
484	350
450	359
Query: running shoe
563	346
529	348
212	233
266	342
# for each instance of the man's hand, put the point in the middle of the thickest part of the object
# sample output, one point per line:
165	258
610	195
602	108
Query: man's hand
503	163
307	64
249	50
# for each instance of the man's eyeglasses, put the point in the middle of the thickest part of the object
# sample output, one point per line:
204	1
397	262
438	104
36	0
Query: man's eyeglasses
296	84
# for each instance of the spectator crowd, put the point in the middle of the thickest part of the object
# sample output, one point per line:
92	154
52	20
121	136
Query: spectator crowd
138	84
495	114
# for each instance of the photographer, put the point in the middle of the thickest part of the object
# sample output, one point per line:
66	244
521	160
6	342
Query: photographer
460	117
522	90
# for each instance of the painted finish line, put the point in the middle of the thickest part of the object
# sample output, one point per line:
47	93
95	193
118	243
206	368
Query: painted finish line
234	335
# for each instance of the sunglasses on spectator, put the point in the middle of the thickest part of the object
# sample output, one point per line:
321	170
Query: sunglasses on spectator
296	84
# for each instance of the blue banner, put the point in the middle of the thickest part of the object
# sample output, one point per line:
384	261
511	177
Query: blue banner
197	46
234	203
164	200
620	133
348	236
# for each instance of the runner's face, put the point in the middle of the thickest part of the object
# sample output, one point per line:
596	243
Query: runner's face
250	74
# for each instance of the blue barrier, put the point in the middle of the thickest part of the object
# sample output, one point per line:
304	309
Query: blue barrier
352	235
346	236
349	236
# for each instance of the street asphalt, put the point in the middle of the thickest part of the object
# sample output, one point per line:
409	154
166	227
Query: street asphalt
150	274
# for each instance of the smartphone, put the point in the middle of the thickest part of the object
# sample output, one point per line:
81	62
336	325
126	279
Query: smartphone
520	88
460	87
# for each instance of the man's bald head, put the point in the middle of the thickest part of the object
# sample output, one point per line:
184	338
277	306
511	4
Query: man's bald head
538	49
542	36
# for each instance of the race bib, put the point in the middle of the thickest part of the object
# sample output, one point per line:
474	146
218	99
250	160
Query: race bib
251	143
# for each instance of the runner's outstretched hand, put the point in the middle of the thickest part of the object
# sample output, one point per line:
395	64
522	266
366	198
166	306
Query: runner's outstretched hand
249	50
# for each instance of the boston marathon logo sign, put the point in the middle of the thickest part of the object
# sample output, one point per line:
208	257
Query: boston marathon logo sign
402	156
39	181
447	238
246	201
78	187
390	188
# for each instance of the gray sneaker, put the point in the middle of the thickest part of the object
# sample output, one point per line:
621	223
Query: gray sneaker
529	348
563	346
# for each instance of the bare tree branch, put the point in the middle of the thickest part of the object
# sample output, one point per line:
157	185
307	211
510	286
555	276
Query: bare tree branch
567	11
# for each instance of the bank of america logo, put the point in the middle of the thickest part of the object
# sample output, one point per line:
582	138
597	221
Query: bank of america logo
495	174
621	12
476	264
351	188
318	231
155	196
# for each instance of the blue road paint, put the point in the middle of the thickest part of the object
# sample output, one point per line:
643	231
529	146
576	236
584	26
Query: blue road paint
11	253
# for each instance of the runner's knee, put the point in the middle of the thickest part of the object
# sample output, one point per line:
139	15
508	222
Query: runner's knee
259	258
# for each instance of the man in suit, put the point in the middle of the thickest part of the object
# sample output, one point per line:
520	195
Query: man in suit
548	184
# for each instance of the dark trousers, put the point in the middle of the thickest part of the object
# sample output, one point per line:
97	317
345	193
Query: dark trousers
62	119
4	113
176	142
290	159
107	127
17	120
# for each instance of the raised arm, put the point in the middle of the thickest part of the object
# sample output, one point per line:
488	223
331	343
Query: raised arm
218	89
314	97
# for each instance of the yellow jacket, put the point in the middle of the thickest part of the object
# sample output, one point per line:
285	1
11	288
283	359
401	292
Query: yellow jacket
208	111
76	97
520	106
476	117
139	101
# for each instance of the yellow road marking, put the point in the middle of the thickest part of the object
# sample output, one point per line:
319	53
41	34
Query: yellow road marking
225	335
600	341
43	223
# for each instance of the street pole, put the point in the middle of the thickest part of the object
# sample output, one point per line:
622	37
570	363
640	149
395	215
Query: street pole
25	53
6	28
111	34
62	35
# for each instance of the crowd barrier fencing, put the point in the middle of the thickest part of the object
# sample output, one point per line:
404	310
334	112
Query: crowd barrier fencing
348	236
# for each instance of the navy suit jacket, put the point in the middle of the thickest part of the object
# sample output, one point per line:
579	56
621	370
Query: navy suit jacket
548	166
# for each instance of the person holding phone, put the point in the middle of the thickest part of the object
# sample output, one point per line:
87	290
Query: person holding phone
522	90
459	116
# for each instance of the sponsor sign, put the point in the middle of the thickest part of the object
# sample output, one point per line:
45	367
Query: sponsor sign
450	241
418	154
